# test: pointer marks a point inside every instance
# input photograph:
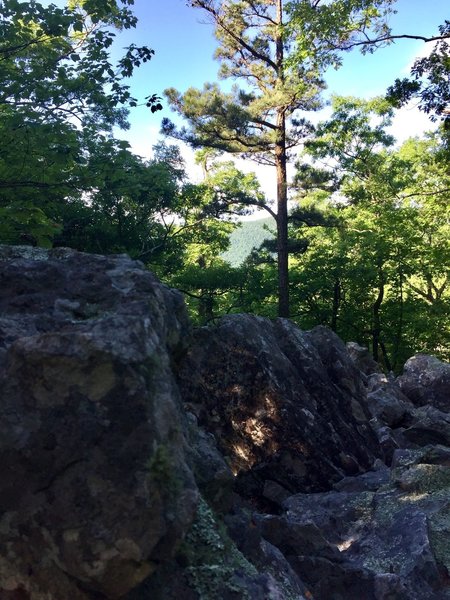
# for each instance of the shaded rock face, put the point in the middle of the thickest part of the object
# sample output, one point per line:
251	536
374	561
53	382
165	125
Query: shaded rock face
284	405
118	427
398	421
362	358
377	540
387	402
95	489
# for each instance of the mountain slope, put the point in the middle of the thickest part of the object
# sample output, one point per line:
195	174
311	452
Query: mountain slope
250	235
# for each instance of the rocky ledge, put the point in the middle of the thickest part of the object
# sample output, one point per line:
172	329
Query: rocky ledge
142	459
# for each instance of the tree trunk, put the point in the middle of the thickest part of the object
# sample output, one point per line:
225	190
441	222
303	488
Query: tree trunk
280	163
282	234
376	329
399	333
205	308
336	304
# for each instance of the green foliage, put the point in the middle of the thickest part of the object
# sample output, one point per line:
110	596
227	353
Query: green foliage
322	30
204	227
281	62
356	128
429	80
257	120
230	191
55	61
209	288
59	91
122	203
368	243
382	276
26	224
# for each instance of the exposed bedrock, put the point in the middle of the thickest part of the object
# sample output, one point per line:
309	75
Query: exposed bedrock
95	489
426	380
286	406
144	460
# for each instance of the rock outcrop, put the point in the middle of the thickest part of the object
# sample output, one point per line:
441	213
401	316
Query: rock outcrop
426	380
95	488
140	459
374	537
288	408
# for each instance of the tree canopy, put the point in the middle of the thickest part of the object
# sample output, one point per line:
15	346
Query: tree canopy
278	62
357	240
59	90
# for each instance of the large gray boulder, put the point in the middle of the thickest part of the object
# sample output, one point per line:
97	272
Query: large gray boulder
285	406
426	380
95	488
383	537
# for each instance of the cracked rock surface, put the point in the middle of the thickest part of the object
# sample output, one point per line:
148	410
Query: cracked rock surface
95	489
142	460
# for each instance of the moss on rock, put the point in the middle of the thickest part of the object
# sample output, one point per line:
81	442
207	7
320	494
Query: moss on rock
211	558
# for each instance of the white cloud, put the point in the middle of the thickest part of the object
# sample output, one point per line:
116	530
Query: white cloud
409	121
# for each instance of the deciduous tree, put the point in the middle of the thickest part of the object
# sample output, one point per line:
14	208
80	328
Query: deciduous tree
382	277
58	87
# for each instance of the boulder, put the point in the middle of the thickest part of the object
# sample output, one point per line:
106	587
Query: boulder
362	358
426	380
429	426
387	402
95	486
285	406
380	541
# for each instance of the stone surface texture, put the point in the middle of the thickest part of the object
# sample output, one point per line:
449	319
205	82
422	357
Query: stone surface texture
388	540
95	489
143	460
284	405
426	380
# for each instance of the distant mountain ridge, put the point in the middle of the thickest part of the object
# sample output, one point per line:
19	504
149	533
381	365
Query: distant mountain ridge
250	235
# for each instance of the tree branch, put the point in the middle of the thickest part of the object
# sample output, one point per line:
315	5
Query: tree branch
238	39
387	38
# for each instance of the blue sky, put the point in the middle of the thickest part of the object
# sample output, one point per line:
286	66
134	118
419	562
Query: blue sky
184	45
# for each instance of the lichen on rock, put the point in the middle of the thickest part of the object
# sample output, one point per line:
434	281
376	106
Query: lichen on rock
88	399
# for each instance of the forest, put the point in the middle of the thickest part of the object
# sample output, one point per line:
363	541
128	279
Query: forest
358	239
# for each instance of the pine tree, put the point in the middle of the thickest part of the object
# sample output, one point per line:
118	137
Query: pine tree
280	70
257	120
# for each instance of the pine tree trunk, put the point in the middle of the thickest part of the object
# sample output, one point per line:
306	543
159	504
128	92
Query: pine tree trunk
282	233
280	163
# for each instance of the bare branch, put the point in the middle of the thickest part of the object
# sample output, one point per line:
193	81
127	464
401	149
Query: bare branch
388	38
